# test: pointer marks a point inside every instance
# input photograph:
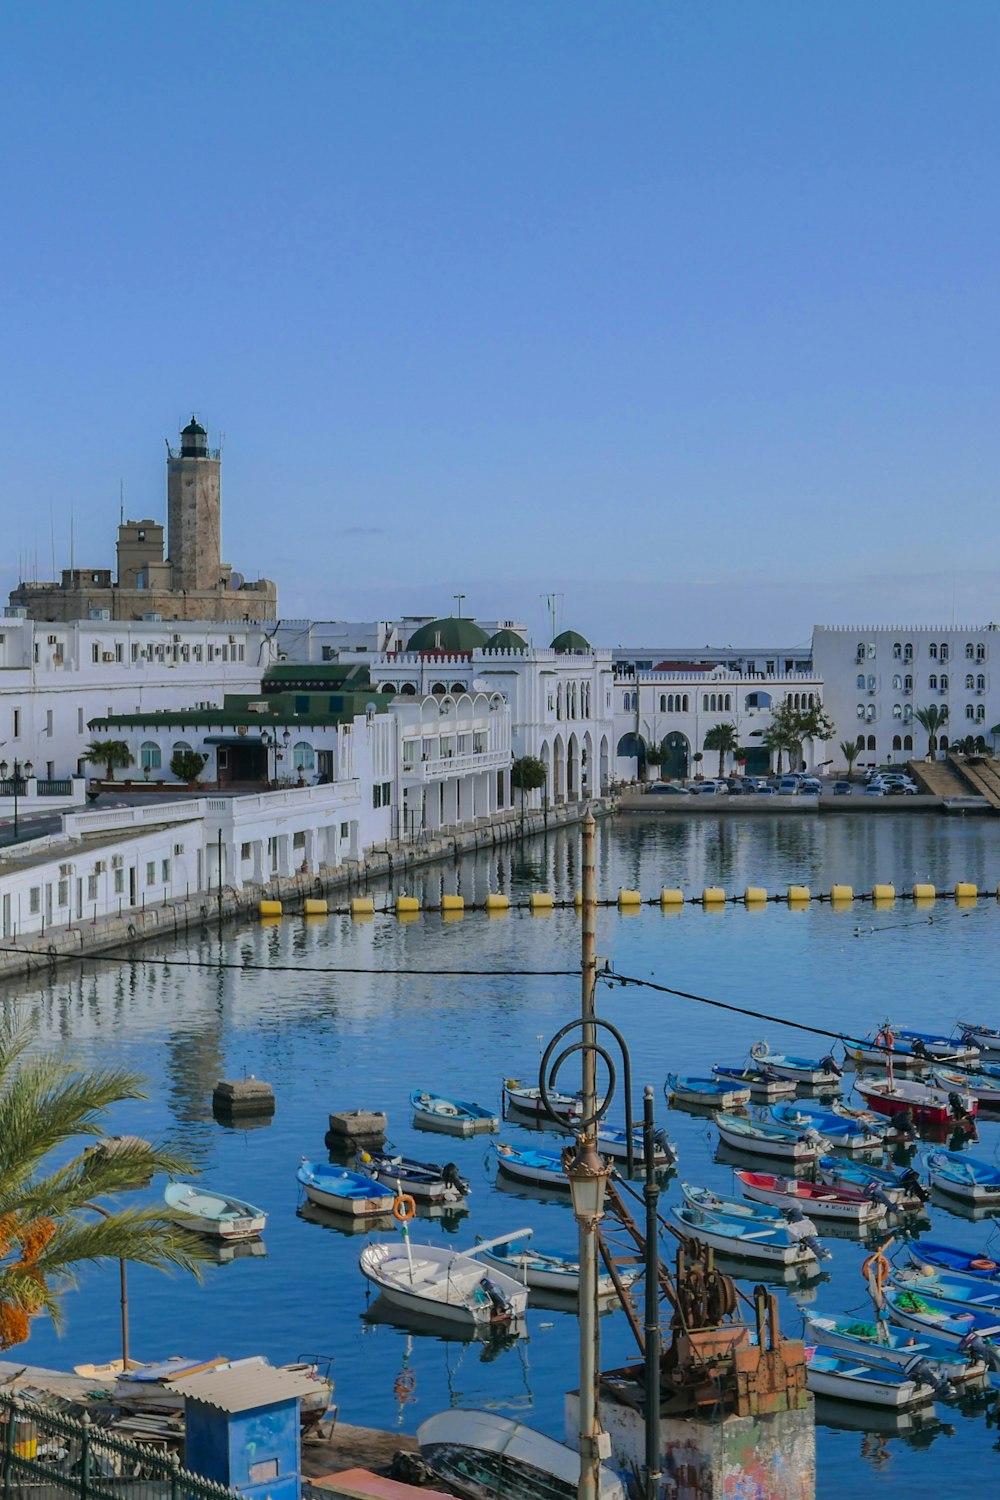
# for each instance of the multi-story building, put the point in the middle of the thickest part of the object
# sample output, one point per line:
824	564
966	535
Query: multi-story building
751	661
876	678
191	583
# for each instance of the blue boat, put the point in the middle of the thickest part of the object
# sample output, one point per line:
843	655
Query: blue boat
764	1085
880	1343
975	1181
775	1241
817	1072
975	1329
950	1286
612	1141
540	1168
452	1116
901	1191
342	1191
950	1258
845	1131
717	1093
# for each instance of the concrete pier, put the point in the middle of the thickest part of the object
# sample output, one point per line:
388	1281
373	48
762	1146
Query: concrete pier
236	1098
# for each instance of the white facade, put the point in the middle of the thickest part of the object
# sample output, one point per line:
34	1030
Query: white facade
454	760
676	710
877	677
54	678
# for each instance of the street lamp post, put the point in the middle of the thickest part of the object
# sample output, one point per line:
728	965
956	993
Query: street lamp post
17	784
124	1291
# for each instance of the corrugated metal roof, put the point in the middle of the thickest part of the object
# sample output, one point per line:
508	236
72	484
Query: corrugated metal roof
244	1385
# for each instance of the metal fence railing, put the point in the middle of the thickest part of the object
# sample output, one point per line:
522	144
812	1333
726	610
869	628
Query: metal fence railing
54	787
47	1456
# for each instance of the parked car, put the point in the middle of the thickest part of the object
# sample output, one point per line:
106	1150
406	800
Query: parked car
874	789
842	789
900	789
707	789
788	786
810	786
765	791
667	789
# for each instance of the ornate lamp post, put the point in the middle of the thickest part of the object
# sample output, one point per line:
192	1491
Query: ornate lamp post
20	774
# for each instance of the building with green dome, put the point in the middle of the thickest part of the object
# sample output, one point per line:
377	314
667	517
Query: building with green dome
453	636
571	643
506	640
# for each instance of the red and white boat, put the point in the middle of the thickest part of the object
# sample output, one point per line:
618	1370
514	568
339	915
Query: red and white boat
927	1105
818	1199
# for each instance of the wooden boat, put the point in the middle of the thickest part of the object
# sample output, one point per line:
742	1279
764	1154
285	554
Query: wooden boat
821	1072
975	1034
717	1093
425	1181
976	1330
438	1282
831	1372
745	1239
949	1286
543	1270
612	1142
908	1051
950	1258
711	1204
818	1199
848	1132
342	1191
216	1214
922	1103
484	1456
765	1087
528	1101
452	1116
975	1181
901	1192
984	1084
880	1343
768	1138
538	1167
936	1045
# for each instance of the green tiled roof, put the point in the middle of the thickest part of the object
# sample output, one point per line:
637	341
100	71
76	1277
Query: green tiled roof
317	708
453	636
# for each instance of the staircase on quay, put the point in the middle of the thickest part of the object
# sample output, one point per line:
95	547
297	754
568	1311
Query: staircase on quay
981	774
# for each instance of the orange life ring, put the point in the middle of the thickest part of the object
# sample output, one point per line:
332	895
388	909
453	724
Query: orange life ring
404	1208
982	1263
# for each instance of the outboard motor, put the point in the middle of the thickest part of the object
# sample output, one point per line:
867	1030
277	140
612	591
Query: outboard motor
663	1142
877	1193
904	1124
978	1348
958	1110
451	1177
817	1247
919	1369
918	1049
501	1308
910	1180
830	1065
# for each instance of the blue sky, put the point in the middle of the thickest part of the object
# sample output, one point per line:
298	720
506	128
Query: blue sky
687	312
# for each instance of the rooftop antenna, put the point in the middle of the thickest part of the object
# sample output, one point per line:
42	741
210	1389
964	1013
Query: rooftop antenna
458	599
553	603
52	538
121	502
72	548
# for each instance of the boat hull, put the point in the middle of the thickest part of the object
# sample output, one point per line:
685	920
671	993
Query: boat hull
353	1208
741	1247
845	1211
483	1456
868	1389
441	1285
782	1148
928	1108
765	1090
519	1171
460	1125
943	1358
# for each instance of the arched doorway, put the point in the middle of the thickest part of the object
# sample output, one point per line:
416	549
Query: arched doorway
573	769
605	765
632	746
676	751
558	770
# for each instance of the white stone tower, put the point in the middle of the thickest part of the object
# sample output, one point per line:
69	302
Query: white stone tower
194	523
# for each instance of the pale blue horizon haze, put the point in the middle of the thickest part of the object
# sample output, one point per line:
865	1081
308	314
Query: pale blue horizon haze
687	313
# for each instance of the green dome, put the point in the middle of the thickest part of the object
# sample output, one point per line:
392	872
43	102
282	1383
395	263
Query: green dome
453	637
570	643
506	640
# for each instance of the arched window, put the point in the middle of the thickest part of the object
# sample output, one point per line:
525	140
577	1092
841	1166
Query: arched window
559	701
861	710
871	742
871	684
980	683
408	690
704	702
303	756
897	742
686	701
908	651
932	650
439	689
907	684
944	682
932	682
980	652
179	747
980	712
729	702
897	710
970	712
897	682
860	682
861	742
943	742
907	713
897	650
945	652
907	741
870	714
458	687
149	756
859	655
871	650
970	651
970	681
663	703
812	700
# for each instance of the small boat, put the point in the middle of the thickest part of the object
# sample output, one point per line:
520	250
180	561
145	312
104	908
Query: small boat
974	1034
765	1087
528	1101
922	1103
768	1138
949	1286
818	1199
984	1084
849	1132
882	1344
452	1116
538	1167
950	1258
484	1456
441	1283
908	1051
831	1372
425	1181
935	1044
901	1192
716	1093
544	1270
976	1330
344	1192
975	1181
746	1239
758	1213
612	1142
216	1214
821	1072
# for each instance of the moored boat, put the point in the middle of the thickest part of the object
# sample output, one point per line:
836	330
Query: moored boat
920	1101
908	1051
975	1181
425	1181
339	1190
976	1330
765	1087
901	1192
452	1116
880	1343
544	1270
818	1199
612	1142
216	1214
746	1239
713	1093
984	1084
484	1456
528	1101
831	1372
975	1034
708	1202
821	1072
849	1132
951	1258
768	1138
438	1282
949	1286
542	1168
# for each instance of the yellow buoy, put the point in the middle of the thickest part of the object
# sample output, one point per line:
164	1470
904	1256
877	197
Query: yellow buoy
713	895
495	902
755	895
315	906
883	893
541	901
578	900
452	905
798	895
362	906
269	908
629	898
670	896
924	892
841	894
965	890
406	904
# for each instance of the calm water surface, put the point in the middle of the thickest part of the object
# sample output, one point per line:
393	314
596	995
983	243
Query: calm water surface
338	1041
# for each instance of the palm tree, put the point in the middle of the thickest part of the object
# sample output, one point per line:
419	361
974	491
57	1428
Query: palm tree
933	719
725	739
46	1232
108	753
849	750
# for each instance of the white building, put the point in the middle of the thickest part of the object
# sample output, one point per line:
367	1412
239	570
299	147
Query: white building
675	710
55	678
877	677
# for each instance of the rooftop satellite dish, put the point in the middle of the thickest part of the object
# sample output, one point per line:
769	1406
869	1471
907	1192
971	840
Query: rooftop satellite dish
236	580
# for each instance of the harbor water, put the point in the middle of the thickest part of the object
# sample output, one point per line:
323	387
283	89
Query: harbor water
287	1007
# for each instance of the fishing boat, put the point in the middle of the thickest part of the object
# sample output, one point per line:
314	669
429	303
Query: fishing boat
544	1270
901	1192
975	1181
950	1258
937	1045
818	1199
848	1132
528	1101
831	1372
344	1192
949	1286
974	1034
923	1104
746	1239
484	1456
975	1330
538	1167
452	1116
765	1087
822	1072
711	1203
438	1282
215	1214
612	1142
880	1343
425	1181
768	1138
984	1083
908	1051
715	1093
